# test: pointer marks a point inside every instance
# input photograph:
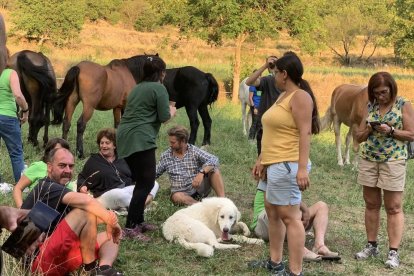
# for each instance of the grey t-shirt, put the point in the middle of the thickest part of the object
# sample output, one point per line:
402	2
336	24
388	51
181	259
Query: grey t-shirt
269	94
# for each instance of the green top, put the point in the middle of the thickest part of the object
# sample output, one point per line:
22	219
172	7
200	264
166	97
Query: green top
38	170
381	147
147	107
258	207
7	101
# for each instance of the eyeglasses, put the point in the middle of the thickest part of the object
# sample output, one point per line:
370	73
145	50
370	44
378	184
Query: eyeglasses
382	93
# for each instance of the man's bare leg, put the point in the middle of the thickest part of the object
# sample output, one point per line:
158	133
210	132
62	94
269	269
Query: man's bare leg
84	225
216	181
108	250
319	213
181	198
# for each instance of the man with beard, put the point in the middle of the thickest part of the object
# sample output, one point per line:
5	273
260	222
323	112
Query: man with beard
192	171
73	241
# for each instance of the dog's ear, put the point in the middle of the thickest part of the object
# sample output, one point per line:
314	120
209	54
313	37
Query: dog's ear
238	218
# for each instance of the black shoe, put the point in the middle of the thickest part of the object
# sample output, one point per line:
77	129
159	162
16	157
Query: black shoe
99	271
273	268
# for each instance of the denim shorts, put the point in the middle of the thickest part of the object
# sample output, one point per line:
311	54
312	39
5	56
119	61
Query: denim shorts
282	188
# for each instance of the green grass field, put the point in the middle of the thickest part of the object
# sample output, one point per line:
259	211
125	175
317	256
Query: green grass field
330	183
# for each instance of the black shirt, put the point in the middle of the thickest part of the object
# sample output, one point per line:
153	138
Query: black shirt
50	193
269	94
100	176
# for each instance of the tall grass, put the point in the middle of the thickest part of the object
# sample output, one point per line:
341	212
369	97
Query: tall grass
330	183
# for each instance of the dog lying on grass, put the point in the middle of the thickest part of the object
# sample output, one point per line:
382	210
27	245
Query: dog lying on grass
204	225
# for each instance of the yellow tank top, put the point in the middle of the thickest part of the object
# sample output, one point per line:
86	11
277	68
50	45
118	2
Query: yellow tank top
280	141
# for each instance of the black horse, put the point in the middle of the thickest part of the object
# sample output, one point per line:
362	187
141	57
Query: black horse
107	87
195	90
38	85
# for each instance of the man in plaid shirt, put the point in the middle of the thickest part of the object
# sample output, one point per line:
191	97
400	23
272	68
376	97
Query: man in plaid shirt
192	171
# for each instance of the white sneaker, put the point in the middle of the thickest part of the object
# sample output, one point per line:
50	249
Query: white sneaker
368	251
393	260
6	188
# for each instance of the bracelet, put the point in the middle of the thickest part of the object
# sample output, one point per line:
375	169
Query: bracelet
24	111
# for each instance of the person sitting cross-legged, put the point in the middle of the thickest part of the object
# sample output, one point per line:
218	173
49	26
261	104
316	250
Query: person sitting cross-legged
315	216
192	171
74	241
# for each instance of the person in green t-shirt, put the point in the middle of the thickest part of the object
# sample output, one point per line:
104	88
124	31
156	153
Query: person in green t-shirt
37	170
315	216
147	107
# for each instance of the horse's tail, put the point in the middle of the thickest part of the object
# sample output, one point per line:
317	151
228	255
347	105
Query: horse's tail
327	119
68	85
46	81
213	88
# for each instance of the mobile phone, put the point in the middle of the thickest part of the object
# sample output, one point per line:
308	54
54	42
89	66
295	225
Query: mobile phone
375	124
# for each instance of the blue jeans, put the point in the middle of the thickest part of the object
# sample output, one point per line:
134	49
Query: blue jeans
11	134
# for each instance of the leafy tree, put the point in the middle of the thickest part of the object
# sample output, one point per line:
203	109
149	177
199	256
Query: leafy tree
214	21
403	31
338	25
147	18
54	20
103	9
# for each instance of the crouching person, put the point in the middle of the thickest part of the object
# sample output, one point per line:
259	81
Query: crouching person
73	242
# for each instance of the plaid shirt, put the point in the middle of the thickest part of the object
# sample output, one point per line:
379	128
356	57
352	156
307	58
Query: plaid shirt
182	171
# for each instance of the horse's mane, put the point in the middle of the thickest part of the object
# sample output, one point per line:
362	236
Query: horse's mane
135	65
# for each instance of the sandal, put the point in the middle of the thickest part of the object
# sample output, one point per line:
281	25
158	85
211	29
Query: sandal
310	256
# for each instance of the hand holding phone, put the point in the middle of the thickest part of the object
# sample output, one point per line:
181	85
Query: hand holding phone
374	124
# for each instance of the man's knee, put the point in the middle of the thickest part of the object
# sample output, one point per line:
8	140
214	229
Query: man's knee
321	206
78	218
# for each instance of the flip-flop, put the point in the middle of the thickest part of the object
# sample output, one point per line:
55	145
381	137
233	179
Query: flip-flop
331	258
310	256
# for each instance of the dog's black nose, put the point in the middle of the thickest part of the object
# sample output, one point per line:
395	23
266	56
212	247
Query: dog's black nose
225	230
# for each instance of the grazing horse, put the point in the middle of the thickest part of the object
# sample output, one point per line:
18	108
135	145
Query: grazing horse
195	90
107	87
245	106
348	104
38	84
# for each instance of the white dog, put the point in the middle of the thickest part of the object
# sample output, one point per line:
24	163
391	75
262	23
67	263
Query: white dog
202	226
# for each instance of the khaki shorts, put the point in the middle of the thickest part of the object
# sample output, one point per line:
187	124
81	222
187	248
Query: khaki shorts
389	176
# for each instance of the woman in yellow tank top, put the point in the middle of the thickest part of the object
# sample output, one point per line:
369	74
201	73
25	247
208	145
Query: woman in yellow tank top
287	129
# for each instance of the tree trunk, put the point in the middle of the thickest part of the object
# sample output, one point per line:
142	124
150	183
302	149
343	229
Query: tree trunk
236	69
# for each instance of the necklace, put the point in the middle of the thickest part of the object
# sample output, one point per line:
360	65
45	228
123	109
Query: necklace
113	167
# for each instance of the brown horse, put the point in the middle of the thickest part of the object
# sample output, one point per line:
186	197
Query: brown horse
348	104
98	87
38	84
107	87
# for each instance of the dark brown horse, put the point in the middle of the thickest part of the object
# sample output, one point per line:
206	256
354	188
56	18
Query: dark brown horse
348	104
107	87
38	84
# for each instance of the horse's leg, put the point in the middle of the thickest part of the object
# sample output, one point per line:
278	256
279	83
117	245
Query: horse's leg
69	110
347	143
81	126
117	116
355	148
194	122
205	117
337	130
243	110
47	122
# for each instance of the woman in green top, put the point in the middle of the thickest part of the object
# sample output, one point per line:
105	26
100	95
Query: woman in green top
147	107
36	171
10	132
